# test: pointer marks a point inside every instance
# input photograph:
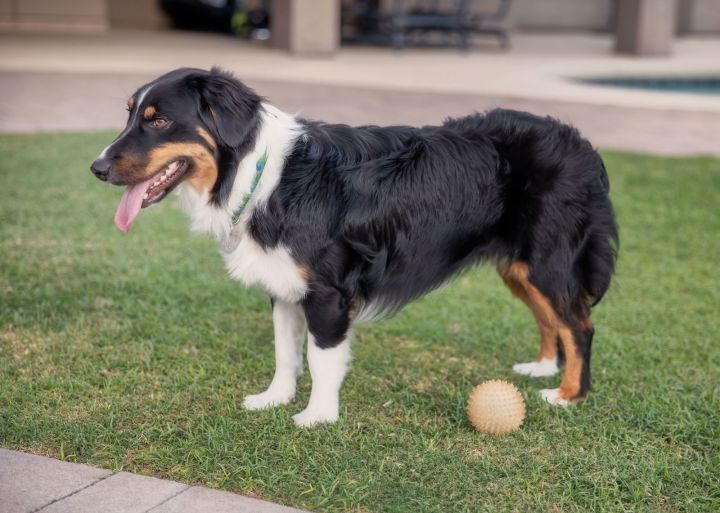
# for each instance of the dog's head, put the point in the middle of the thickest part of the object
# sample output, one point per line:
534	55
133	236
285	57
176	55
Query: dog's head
188	125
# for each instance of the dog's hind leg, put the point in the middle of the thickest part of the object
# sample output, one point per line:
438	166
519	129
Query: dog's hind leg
576	338
570	325
290	329
546	363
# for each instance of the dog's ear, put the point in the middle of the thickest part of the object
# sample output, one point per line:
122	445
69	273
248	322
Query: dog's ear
226	106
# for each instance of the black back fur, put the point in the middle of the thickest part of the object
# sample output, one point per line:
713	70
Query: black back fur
381	215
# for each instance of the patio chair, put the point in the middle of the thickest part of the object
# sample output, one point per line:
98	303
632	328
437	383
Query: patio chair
456	17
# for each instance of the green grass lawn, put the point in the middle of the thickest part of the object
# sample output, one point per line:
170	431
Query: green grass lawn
134	352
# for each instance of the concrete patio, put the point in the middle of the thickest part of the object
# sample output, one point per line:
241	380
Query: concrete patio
30	484
81	82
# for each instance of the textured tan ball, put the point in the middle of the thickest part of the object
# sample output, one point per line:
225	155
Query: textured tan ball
496	407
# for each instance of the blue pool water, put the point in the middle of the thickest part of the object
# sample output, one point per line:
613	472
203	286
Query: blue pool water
692	85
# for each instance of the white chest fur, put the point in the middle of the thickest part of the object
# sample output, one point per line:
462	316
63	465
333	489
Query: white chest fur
273	270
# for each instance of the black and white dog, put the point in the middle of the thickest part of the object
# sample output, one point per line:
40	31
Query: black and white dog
340	223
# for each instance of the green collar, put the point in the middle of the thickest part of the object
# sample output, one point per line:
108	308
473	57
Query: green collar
259	167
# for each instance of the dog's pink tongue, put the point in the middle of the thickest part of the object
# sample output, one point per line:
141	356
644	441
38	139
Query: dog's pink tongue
130	205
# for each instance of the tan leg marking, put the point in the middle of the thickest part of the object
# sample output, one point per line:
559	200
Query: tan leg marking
570	385
516	275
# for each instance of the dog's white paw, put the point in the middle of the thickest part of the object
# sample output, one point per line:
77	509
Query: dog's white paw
308	417
545	367
267	399
552	395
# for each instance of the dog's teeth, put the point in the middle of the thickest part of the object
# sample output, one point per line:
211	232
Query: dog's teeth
145	196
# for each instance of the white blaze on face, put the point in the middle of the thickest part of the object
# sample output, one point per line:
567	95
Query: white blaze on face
131	201
133	118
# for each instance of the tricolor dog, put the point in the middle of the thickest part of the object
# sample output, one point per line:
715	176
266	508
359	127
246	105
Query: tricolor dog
339	223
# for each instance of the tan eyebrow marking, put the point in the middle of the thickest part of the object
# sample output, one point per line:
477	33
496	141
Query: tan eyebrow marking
149	112
130	102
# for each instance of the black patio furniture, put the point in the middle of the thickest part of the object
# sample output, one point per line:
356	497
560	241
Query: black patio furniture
429	22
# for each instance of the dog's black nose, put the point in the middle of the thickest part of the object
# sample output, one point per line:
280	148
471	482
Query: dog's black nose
101	167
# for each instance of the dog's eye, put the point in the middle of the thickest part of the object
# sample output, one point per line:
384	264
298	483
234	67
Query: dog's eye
159	123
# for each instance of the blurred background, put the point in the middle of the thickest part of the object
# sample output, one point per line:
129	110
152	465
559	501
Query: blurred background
620	70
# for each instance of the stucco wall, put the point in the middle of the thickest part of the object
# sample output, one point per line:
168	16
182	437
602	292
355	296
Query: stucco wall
144	14
562	14
694	16
72	15
594	15
86	15
701	16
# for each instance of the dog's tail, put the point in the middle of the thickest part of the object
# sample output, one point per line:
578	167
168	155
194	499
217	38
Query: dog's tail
597	254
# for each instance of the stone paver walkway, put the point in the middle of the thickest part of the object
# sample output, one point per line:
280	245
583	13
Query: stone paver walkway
31	102
62	82
30	484
538	66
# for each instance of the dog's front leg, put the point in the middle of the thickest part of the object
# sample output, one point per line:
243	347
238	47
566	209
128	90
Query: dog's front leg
327	310
290	328
327	368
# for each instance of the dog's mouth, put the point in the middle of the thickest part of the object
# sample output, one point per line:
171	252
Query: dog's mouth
163	182
148	193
